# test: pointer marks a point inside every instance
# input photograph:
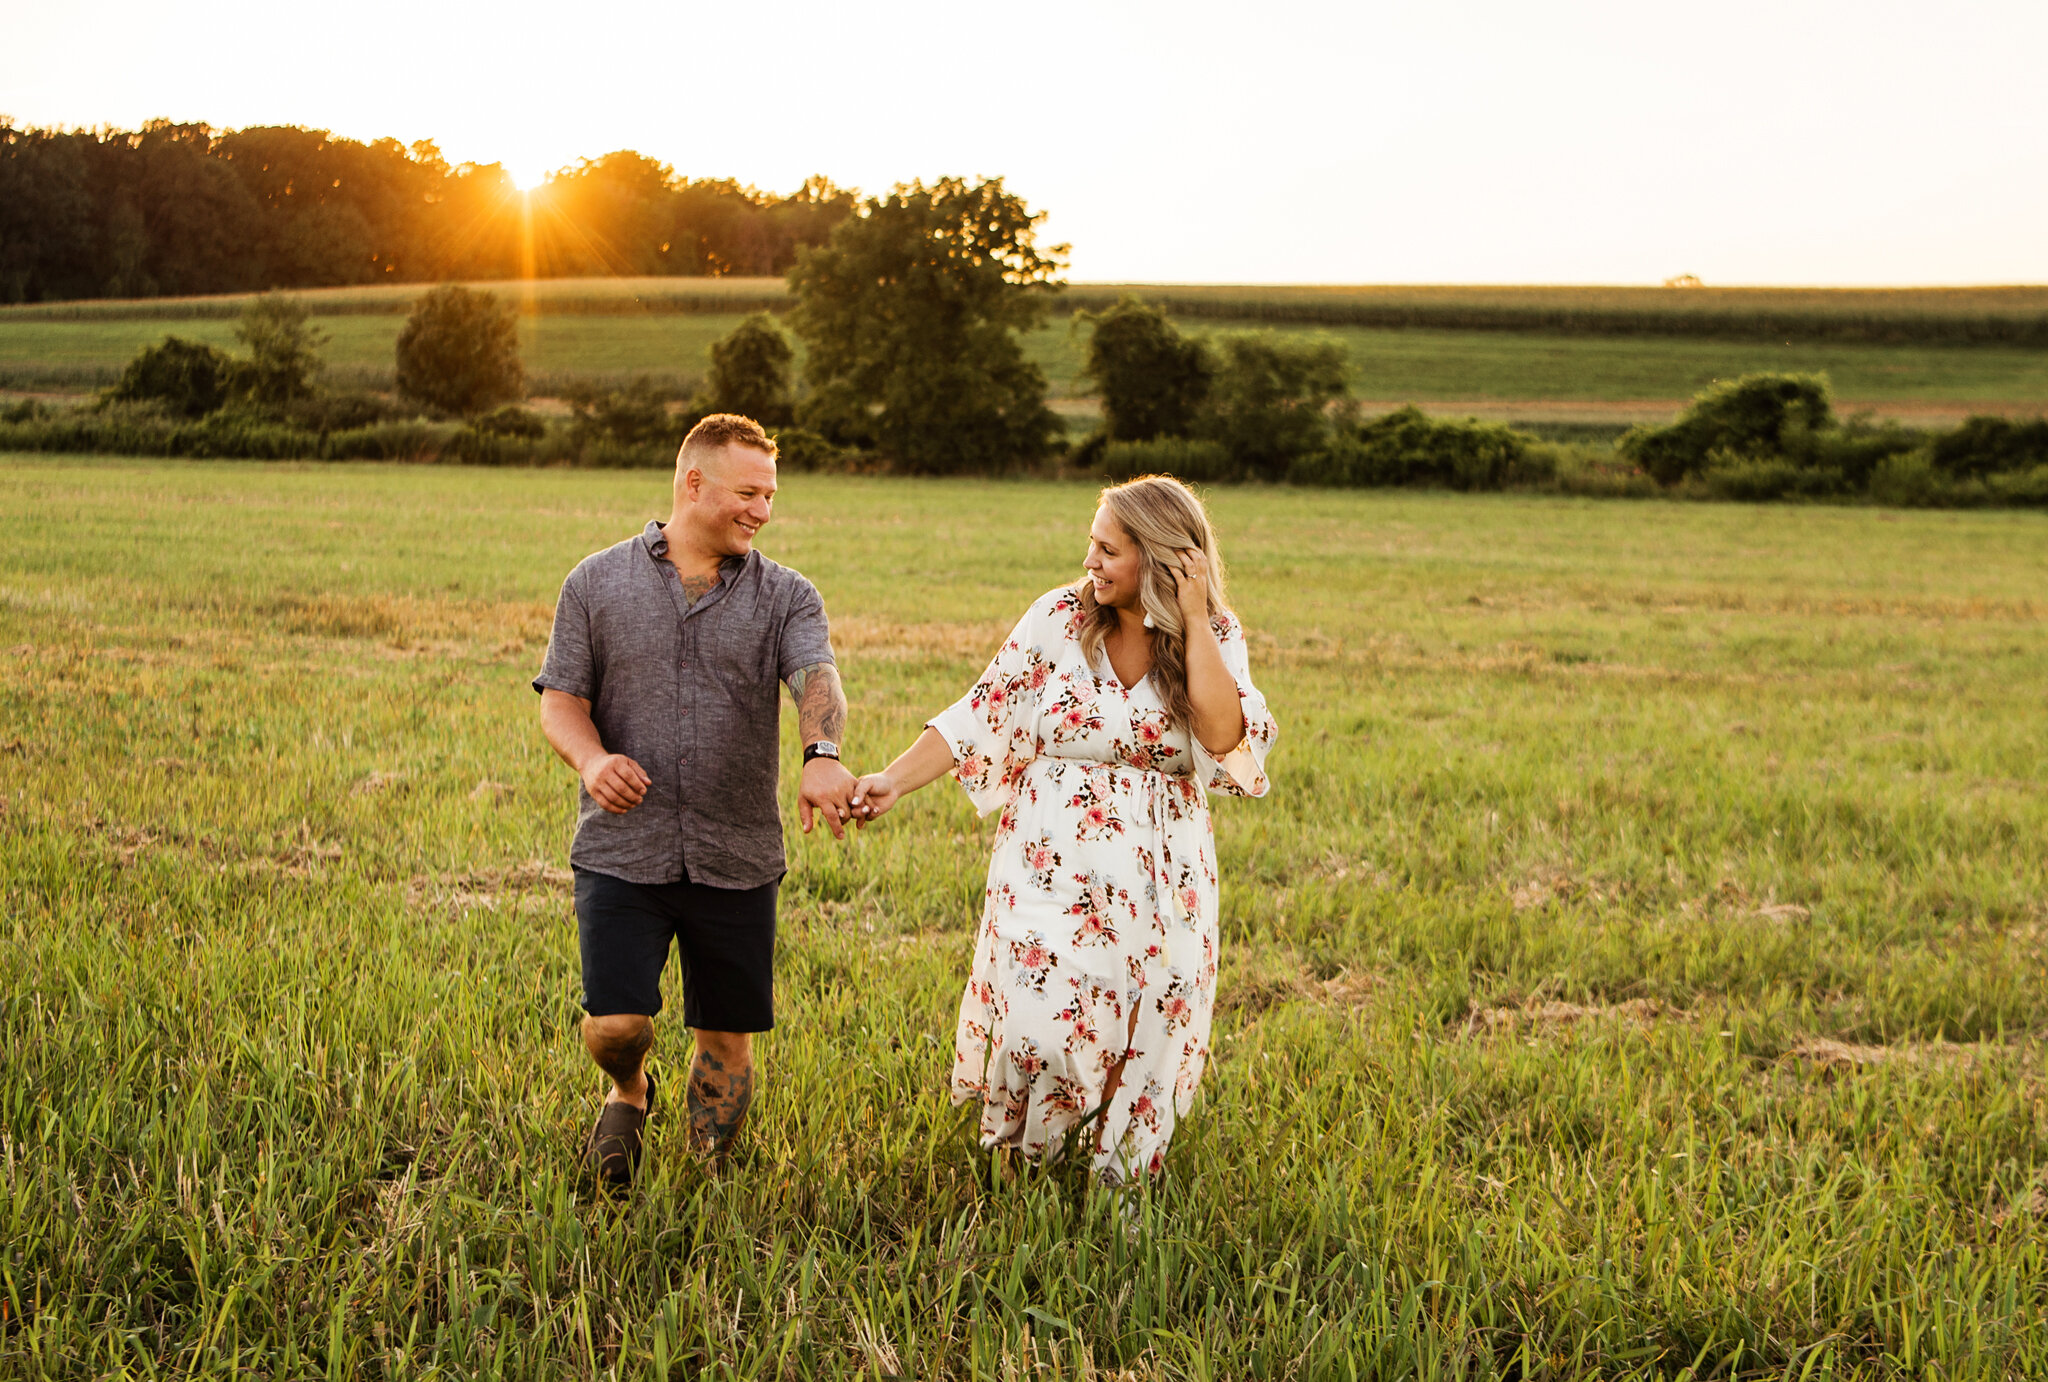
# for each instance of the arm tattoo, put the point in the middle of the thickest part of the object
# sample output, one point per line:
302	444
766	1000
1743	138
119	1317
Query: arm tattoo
820	703
718	1102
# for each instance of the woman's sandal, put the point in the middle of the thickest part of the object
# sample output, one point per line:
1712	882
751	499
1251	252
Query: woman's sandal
613	1150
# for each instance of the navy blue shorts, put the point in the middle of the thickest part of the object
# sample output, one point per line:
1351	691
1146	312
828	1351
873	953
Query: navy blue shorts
725	943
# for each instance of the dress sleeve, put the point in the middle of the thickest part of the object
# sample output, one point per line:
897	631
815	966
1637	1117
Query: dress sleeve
1242	771
992	730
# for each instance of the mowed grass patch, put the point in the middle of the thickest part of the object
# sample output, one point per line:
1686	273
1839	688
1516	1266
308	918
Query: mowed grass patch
1637	967
362	349
1387	365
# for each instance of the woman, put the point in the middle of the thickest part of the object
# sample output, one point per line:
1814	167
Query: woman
1112	707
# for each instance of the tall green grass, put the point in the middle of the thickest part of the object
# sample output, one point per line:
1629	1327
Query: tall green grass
1637	969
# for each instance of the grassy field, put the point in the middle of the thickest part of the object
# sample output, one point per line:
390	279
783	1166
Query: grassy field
1495	372
1637	970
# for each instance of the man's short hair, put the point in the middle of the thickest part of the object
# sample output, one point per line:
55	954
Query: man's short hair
721	430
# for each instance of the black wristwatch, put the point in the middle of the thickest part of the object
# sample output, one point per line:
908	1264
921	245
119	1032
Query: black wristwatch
824	748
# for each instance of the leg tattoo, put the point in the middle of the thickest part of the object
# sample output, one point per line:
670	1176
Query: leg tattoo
718	1101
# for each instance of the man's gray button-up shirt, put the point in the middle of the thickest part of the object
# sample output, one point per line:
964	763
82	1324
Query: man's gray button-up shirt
692	694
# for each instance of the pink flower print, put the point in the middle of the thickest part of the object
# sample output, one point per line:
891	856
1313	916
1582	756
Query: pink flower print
1027	1060
1150	731
1033	957
1040	674
972	764
1094	929
1040	856
1097	816
1190	899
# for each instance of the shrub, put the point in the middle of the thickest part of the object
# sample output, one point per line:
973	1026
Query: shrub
1087	453
632	418
1408	447
284	350
1908	481
1185	458
2019	487
1153	381
1757	416
459	352
223	435
751	369
511	421
800	449
1989	446
1271	398
188	378
1756	479
339	411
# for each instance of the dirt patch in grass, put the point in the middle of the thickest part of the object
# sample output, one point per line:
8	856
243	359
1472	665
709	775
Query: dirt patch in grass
1546	1016
511	624
1827	1057
886	641
532	884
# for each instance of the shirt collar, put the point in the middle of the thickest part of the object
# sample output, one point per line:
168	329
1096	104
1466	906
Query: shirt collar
656	543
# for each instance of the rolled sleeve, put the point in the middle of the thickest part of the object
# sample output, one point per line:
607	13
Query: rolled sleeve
1242	771
571	663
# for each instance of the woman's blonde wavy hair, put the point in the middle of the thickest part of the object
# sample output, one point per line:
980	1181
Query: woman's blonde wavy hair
1163	518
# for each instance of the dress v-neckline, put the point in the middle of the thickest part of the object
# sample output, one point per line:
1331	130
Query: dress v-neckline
1115	678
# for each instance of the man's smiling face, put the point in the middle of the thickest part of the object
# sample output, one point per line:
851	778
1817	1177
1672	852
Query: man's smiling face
732	496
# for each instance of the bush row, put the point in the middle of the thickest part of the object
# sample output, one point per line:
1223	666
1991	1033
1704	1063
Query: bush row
1407	447
509	436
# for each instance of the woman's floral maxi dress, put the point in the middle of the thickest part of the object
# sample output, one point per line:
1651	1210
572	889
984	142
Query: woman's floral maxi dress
1098	936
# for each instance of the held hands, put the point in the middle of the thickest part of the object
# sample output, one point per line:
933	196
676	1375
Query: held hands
615	782
874	794
828	790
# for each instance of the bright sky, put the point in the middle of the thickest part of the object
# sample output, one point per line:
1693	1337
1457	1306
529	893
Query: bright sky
1458	141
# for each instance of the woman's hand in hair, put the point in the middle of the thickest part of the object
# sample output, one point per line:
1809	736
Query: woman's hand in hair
1190	568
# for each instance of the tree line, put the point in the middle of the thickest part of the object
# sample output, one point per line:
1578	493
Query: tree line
910	318
186	209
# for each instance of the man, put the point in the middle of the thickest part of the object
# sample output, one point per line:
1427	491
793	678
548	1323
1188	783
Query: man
660	690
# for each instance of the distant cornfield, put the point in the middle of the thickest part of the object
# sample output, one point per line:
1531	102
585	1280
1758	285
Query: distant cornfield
2004	316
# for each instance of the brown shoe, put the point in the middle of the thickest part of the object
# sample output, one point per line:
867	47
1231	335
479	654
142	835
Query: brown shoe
613	1151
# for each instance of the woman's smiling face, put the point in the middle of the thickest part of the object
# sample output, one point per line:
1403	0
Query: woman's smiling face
1113	562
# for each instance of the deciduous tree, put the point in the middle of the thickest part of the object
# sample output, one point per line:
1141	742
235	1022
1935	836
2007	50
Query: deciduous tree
751	369
284	348
910	315
1153	381
459	352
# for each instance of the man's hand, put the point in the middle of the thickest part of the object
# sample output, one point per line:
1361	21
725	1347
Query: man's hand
873	795
827	789
615	782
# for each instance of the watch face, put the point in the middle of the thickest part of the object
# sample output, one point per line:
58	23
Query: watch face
824	748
